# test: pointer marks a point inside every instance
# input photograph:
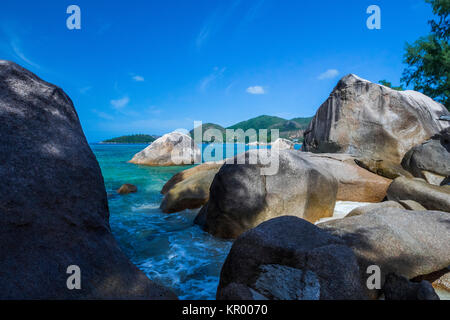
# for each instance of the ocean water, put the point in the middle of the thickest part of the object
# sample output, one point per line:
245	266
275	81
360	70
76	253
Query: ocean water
169	248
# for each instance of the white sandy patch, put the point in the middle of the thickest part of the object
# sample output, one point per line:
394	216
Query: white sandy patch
343	208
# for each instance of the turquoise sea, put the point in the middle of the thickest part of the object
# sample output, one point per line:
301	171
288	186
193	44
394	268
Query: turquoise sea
169	248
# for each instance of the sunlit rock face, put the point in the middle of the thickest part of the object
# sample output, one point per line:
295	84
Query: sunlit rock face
370	120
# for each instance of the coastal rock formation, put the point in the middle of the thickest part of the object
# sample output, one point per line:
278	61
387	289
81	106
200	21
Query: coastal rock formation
241	196
408	243
373	121
192	191
430	196
439	279
288	258
355	183
53	206
399	288
383	168
127	188
431	159
412	205
446	182
172	149
368	208
282	144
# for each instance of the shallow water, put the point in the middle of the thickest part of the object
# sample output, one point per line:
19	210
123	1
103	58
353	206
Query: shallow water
169	248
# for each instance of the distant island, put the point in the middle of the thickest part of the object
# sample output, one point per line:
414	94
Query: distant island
134	138
289	129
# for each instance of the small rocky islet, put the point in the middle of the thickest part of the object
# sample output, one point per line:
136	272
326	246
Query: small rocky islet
366	143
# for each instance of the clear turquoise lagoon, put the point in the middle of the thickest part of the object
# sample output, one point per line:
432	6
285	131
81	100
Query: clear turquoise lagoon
169	248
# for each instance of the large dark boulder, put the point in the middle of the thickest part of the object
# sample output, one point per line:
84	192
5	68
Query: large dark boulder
373	121
408	243
242	196
431	158
53	206
430	196
288	258
399	288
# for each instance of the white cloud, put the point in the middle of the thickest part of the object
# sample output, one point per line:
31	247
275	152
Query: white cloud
329	74
120	103
256	90
138	78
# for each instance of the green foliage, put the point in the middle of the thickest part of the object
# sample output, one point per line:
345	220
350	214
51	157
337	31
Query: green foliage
428	58
135	138
389	85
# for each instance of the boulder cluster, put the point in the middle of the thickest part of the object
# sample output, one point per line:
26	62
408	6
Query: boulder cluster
366	143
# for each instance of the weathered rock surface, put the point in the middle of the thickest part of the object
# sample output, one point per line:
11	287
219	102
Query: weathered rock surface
282	144
370	120
241	197
430	196
446	182
53	206
383	168
288	258
172	149
192	191
127	188
431	159
382	205
408	243
412	205
439	279
399	288
355	183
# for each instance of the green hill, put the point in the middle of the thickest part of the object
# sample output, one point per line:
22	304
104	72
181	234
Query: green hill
261	122
207	126
135	138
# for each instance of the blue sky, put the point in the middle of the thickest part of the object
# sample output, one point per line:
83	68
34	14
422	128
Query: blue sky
155	66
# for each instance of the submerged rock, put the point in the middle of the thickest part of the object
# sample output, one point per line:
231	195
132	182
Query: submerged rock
53	205
127	188
373	121
288	258
241	196
408	243
172	149
430	196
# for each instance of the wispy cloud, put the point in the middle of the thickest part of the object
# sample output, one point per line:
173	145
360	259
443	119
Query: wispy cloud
216	74
329	74
120	103
256	90
103	115
214	23
85	90
138	78
13	46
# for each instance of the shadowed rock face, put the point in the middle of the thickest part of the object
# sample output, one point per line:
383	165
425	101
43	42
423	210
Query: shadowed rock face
53	206
432	156
288	258
408	243
241	197
373	121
